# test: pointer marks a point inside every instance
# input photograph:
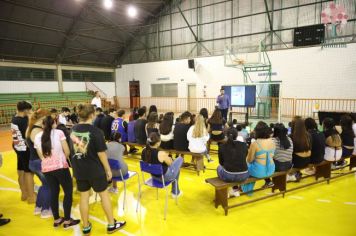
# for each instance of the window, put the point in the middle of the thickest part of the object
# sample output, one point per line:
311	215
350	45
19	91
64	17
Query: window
164	90
26	74
92	76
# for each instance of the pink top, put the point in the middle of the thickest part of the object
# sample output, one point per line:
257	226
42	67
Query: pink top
58	159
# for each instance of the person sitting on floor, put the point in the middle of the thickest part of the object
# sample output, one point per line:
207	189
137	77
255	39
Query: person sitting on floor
119	125
152	123
260	155
333	148
284	150
302	145
232	160
318	144
115	151
198	137
171	168
166	128
180	141
347	137
140	127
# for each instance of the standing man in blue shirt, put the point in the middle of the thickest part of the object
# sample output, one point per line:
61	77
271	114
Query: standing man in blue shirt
223	102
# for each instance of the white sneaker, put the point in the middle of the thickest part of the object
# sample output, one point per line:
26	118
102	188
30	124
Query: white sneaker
233	193
113	190
291	178
37	211
177	196
309	171
46	214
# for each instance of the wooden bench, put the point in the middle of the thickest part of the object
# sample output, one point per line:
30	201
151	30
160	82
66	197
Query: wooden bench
221	190
279	179
197	157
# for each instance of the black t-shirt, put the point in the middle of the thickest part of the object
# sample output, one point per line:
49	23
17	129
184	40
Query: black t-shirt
154	160
233	157
74	118
140	131
318	146
98	120
87	141
180	140
105	126
18	128
347	138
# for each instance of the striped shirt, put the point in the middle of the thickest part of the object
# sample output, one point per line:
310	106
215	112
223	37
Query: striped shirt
281	154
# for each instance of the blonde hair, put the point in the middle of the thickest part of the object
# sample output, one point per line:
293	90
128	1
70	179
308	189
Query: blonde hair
34	118
199	127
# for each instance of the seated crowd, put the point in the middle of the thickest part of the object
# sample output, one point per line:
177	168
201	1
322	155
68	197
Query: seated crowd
48	144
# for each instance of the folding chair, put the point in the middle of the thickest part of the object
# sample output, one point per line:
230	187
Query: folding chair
156	169
115	165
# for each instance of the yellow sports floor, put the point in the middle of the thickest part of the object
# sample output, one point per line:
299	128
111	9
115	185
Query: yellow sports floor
319	210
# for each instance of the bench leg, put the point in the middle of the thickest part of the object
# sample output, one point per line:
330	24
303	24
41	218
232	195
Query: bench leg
280	183
323	171
221	199
199	163
352	162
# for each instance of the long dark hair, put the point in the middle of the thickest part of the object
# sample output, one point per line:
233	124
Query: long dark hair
152	108
152	120
346	125
204	113
216	117
46	142
300	135
152	140
262	130
166	125
281	132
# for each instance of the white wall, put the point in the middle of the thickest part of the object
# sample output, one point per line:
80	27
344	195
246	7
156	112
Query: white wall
27	87
107	87
305	73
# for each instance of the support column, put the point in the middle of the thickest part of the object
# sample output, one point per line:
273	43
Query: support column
59	78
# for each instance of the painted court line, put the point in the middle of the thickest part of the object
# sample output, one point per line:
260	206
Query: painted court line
9	179
10	189
323	200
296	197
350	203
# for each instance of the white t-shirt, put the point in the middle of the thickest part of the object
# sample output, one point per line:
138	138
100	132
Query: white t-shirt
96	101
58	159
62	119
197	145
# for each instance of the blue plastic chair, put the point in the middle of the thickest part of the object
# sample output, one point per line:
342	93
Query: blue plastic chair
156	169
115	165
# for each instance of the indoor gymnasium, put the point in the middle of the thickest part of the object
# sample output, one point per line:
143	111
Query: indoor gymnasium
177	117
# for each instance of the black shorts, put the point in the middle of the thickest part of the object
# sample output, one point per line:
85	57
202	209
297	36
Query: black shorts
98	184
300	162
23	161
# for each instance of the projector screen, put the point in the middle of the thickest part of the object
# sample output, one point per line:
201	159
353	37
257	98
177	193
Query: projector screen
241	95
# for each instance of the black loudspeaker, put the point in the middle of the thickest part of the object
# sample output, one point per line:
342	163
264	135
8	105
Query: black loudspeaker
191	64
309	35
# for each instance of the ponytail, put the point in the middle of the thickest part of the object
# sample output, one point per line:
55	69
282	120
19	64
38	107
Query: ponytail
231	136
152	140
46	142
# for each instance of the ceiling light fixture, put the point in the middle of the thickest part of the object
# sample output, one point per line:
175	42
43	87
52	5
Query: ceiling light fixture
108	4
132	11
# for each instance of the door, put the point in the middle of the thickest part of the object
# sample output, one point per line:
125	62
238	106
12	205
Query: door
134	87
192	98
